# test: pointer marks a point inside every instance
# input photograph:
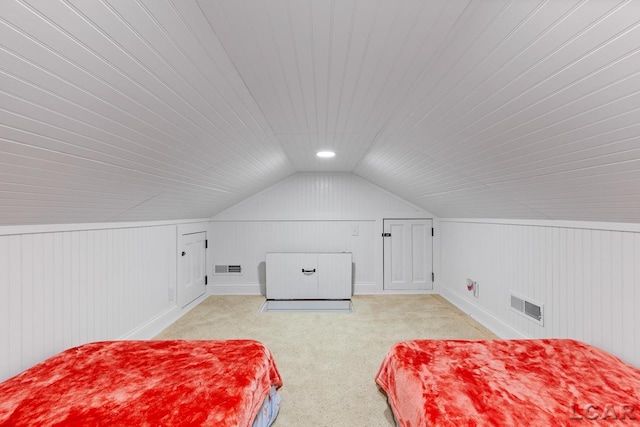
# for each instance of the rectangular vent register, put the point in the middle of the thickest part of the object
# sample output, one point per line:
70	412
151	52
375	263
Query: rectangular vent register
228	269
525	307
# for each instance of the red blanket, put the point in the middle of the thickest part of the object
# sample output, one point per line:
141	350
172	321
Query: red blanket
137	383
508	383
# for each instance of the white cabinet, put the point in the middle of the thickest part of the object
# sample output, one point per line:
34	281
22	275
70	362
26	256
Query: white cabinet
306	275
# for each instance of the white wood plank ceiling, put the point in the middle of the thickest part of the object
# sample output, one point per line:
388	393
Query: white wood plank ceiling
120	110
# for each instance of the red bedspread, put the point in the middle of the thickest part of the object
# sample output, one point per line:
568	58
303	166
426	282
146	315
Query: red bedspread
508	383
138	383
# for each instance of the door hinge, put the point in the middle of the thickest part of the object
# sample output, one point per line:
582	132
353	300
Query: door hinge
432	232
206	243
386	234
433	277
206	280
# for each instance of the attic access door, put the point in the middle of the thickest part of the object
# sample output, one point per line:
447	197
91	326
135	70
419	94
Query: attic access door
408	254
192	271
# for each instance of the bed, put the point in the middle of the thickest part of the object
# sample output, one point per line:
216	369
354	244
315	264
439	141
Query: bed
152	383
545	382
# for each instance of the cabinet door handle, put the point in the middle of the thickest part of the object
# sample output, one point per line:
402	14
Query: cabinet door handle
308	271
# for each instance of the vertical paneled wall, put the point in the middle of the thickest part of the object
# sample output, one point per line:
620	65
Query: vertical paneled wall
587	278
307	212
61	289
247	242
307	196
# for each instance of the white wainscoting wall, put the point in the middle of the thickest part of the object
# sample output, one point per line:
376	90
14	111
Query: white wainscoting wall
307	212
247	242
68	287
587	275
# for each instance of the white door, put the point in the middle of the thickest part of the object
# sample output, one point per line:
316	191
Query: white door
192	271
408	252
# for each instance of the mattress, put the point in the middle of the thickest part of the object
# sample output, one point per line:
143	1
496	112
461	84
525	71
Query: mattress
546	382
126	383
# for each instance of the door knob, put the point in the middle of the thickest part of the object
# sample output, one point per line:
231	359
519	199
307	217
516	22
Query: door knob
183	253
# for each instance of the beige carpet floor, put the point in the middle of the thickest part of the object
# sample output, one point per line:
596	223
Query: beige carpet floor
328	361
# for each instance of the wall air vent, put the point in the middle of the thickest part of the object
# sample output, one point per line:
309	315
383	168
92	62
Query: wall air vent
527	308
228	269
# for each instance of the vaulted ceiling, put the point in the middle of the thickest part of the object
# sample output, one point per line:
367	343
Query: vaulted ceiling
120	110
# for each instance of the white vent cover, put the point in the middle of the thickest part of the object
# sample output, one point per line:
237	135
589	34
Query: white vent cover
527	308
227	269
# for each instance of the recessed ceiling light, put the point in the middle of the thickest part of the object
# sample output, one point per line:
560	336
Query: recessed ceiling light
325	154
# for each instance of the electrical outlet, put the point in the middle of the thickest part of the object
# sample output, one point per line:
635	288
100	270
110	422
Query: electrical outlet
172	292
473	286
354	230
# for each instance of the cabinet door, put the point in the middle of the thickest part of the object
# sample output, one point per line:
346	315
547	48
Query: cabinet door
408	254
286	278
334	280
192	270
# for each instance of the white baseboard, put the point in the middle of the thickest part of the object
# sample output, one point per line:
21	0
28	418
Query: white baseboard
154	326
486	318
366	288
237	289
376	289
258	289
